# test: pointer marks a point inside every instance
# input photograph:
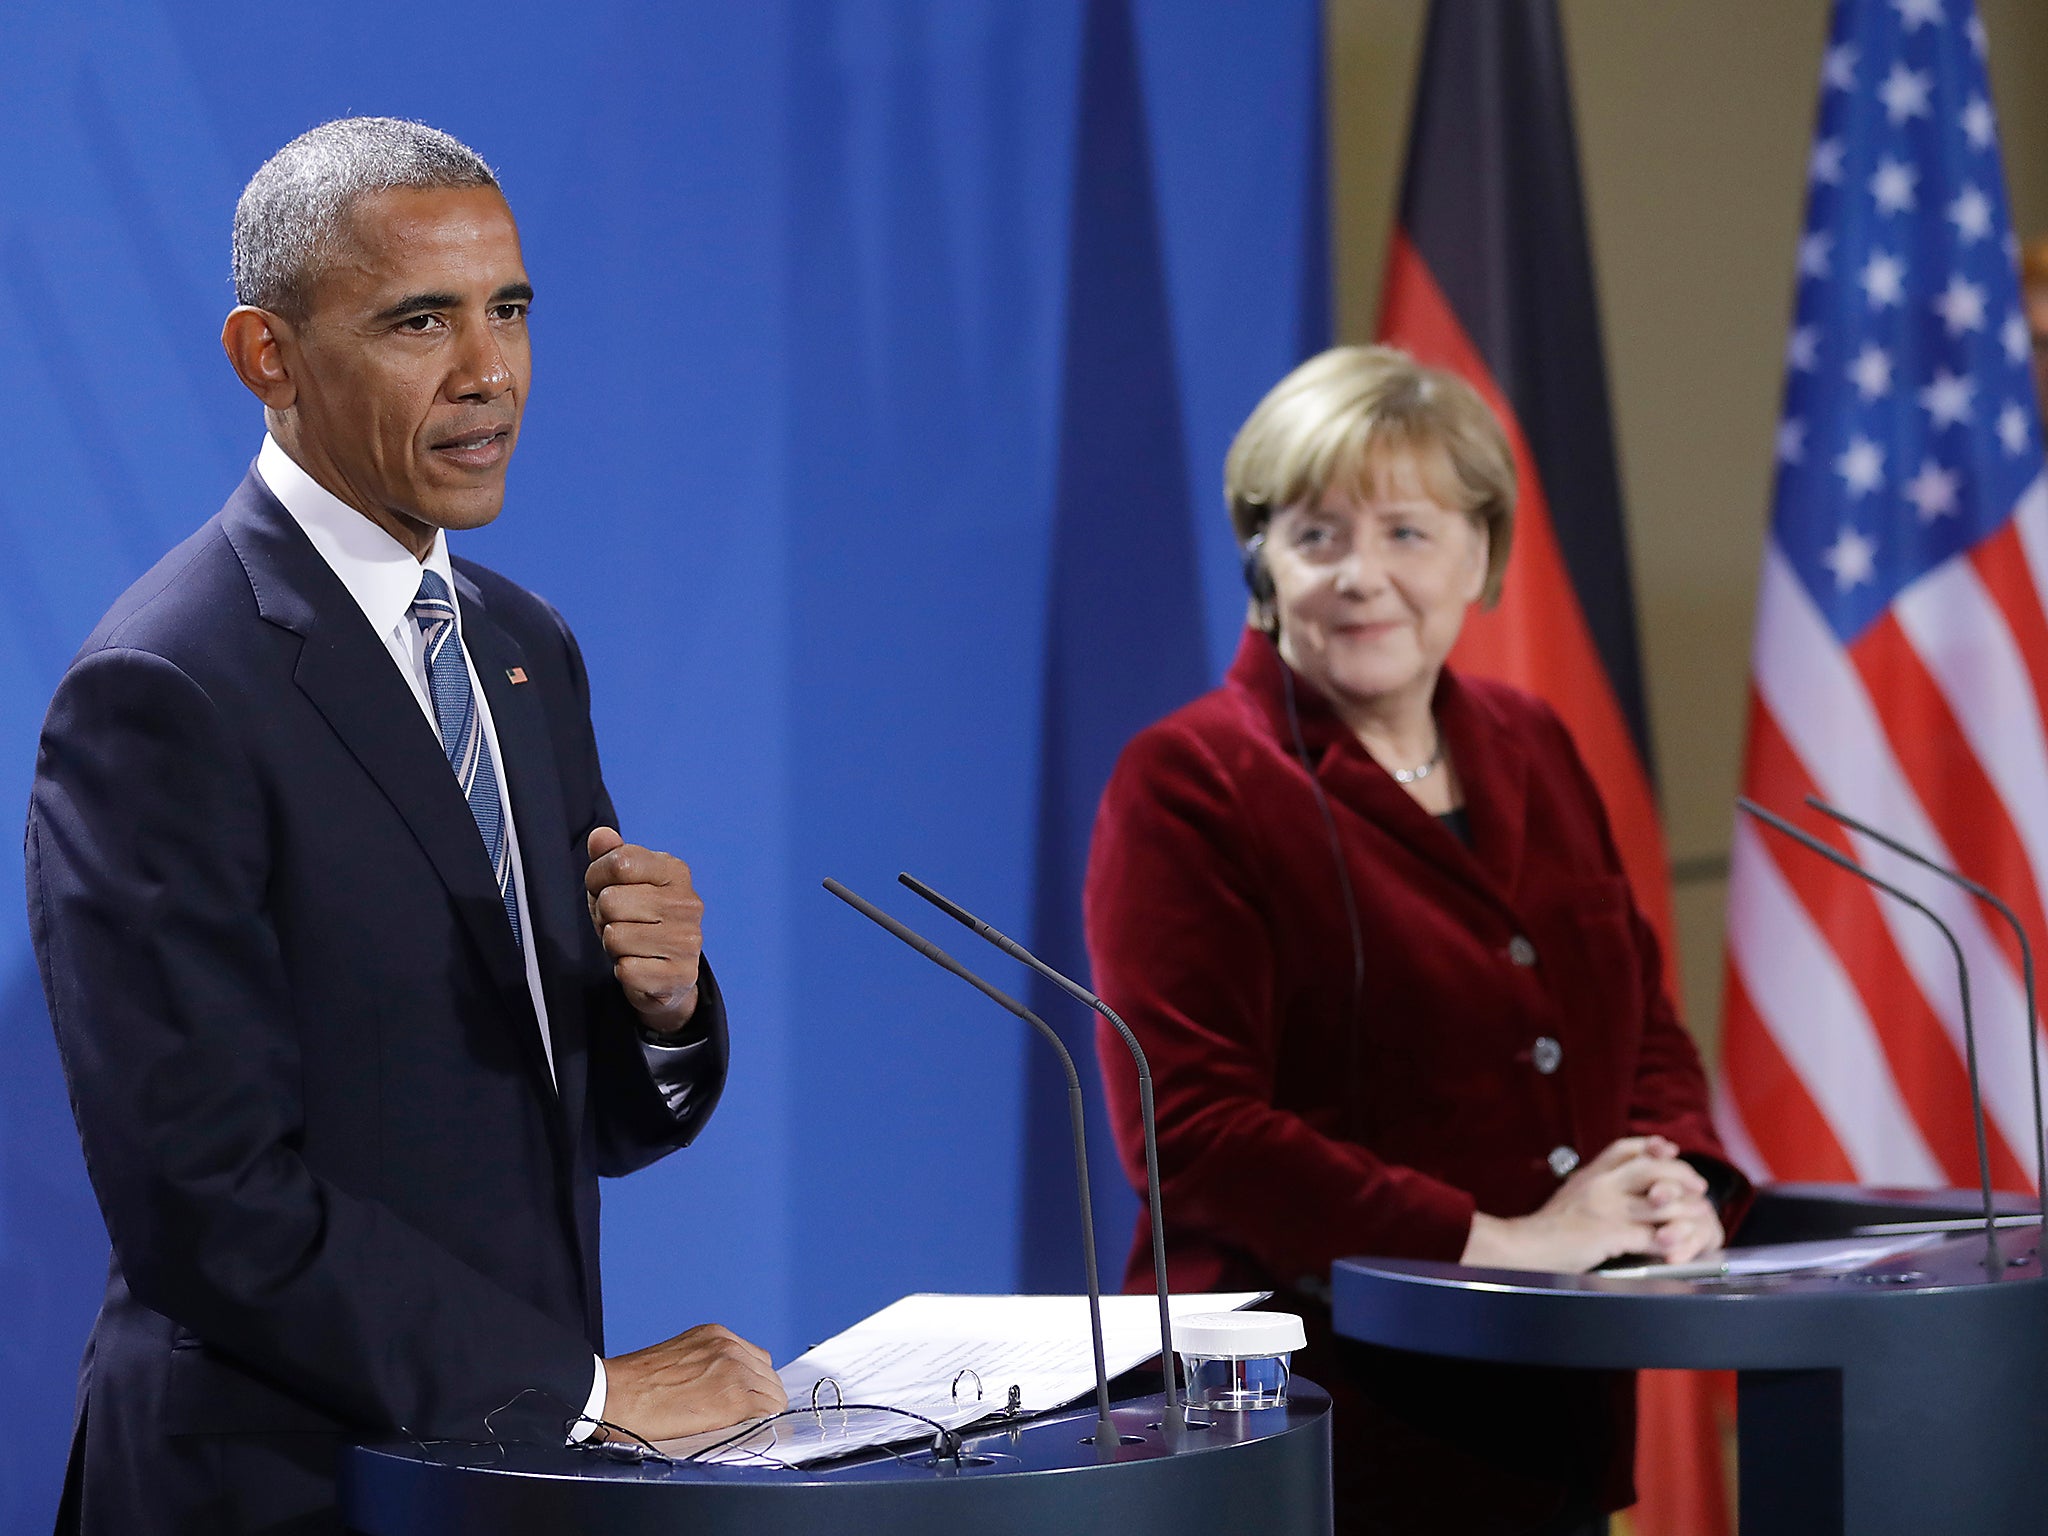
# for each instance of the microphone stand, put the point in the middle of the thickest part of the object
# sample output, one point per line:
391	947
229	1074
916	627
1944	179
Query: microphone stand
1993	1261
2026	963
1175	1418
1107	1439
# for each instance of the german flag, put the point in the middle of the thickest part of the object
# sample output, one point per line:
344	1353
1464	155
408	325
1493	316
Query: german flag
1490	276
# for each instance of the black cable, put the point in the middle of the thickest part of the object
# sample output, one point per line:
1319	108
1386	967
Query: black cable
946	1442
642	1450
1354	1025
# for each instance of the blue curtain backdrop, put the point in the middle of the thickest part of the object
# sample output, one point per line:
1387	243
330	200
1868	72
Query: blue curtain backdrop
886	355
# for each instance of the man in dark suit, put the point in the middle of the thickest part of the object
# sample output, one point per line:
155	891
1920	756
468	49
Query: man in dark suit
357	987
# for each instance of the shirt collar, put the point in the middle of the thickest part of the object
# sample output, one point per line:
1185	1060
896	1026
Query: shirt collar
380	573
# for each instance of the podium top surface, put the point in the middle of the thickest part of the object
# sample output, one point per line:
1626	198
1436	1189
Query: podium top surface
1945	1294
401	1488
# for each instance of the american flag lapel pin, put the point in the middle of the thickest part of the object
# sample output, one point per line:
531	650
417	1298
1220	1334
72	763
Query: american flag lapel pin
515	674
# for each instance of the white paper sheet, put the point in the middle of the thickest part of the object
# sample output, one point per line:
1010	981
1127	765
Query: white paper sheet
911	1355
1834	1256
1831	1256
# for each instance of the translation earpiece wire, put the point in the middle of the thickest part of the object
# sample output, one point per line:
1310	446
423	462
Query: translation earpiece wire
646	1449
1354	1025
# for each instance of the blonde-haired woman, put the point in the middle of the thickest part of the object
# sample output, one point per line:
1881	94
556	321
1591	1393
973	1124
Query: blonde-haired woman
1368	919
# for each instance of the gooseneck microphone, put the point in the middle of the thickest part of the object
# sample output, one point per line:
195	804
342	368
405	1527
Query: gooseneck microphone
1993	1261
1991	899
1175	1420
1107	1439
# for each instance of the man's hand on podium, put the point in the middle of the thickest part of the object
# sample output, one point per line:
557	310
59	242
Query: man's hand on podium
707	1378
1635	1197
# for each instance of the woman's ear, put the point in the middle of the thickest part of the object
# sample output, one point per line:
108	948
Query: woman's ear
1480	555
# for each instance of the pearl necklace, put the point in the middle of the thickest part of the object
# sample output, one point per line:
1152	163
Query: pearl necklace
1417	775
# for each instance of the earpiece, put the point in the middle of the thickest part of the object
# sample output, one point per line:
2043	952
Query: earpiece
1257	579
1259	582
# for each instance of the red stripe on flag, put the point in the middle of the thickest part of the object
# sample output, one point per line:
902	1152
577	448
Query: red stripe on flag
1923	1060
2001	565
1537	637
1785	1125
1947	777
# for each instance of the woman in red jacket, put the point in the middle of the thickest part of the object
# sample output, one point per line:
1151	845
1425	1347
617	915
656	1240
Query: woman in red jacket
1368	920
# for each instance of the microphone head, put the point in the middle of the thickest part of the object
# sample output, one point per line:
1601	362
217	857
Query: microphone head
952	909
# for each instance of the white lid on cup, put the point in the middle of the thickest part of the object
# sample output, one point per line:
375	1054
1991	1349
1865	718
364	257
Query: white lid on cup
1238	1335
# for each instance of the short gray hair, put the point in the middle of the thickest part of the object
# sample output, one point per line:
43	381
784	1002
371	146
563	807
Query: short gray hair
297	205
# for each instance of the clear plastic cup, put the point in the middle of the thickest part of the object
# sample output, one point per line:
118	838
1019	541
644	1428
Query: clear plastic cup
1237	1360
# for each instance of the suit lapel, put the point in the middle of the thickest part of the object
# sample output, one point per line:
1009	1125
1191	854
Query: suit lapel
1494	766
553	883
348	675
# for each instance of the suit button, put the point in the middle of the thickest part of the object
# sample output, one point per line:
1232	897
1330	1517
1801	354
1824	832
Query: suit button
1521	951
1547	1054
1562	1161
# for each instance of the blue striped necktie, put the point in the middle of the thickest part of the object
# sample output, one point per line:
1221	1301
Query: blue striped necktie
462	730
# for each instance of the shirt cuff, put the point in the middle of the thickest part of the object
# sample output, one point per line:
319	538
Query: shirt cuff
675	1068
593	1410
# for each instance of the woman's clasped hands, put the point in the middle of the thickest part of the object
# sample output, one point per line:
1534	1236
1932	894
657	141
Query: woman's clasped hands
1636	1197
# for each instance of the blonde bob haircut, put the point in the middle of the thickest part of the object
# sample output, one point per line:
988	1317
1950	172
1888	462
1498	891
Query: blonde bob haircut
1336	421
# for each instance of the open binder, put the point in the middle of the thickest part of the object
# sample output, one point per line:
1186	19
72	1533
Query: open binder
955	1361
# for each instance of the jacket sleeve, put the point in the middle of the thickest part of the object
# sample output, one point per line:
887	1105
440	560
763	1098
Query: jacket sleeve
1180	939
148	857
647	1103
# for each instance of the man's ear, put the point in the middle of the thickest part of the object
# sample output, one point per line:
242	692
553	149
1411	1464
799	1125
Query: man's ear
253	339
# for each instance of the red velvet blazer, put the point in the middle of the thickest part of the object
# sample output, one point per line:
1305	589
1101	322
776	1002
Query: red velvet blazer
1290	1132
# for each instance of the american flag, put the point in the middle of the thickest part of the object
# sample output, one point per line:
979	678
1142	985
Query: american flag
1901	662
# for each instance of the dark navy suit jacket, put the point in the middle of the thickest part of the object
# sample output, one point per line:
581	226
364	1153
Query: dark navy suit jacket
343	1196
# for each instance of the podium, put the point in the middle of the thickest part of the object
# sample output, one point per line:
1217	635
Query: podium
1909	1396
1267	1470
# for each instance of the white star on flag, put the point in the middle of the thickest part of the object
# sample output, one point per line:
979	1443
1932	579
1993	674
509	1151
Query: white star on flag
1892	186
1838	67
1884	280
1947	399
1861	466
1933	491
2013	336
1826	164
1979	126
1802	348
1871	373
1851	558
1915	14
1813	254
1792	441
1961	306
1975	28
1904	93
1971	214
2012	428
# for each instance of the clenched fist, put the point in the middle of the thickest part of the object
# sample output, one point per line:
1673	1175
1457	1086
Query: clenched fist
651	921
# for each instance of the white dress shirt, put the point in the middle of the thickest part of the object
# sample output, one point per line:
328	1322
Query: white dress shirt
383	576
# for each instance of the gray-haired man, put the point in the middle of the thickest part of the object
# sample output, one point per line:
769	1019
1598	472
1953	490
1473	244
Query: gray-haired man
357	986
